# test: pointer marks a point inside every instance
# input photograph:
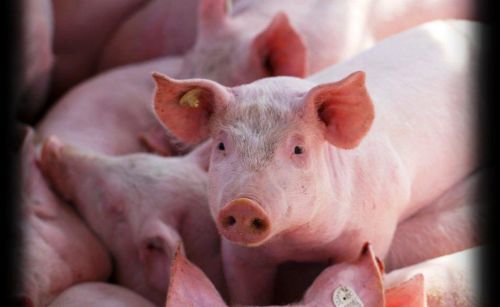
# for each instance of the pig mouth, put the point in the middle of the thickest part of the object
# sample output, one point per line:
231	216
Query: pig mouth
244	222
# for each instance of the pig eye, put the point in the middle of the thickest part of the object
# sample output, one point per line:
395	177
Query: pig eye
298	150
221	146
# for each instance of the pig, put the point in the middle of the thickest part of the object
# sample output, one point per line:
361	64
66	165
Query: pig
141	206
99	294
58	248
308	169
36	58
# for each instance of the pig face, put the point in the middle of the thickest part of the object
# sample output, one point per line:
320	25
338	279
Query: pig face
228	51
269	170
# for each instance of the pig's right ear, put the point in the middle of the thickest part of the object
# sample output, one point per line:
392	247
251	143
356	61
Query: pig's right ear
185	107
280	50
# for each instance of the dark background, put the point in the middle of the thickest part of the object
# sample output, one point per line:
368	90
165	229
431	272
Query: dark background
488	77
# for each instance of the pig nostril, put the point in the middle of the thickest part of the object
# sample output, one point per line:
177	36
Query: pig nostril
258	224
229	221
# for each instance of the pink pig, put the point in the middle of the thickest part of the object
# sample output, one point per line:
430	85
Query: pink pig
99	294
59	250
141	206
308	169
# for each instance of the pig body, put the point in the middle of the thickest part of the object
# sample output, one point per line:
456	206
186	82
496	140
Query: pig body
59	250
99	294
142	207
449	280
308	170
110	112
37	57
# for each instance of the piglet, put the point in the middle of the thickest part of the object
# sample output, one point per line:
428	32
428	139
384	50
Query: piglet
141	206
59	250
99	294
308	169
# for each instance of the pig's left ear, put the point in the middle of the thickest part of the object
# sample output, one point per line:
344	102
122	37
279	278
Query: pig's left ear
184	107
280	50
345	108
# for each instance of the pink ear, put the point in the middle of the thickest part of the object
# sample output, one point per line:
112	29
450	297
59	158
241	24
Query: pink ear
158	244
185	106
410	293
212	13
280	50
189	286
349	282
345	108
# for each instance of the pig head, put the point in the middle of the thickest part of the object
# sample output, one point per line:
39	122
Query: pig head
252	195
59	249
141	206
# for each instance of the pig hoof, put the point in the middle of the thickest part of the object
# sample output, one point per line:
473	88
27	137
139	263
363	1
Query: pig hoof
244	222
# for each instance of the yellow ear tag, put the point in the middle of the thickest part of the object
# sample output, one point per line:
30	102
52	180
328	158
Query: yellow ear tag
190	99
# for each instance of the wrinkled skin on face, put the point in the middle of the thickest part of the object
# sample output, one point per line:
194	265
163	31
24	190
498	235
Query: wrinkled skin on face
142	207
299	168
97	294
59	250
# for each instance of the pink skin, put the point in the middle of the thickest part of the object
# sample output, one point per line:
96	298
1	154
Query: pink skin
99	294
82	28
59	250
316	155
110	112
142	207
37	57
362	277
449	280
322	33
155	29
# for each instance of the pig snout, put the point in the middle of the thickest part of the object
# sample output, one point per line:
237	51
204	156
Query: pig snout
243	221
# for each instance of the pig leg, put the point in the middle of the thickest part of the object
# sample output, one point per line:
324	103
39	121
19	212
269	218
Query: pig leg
248	280
447	225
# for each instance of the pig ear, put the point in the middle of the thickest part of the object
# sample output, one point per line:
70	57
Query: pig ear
345	108
357	282
157	246
212	14
280	50
184	107
190	286
410	293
